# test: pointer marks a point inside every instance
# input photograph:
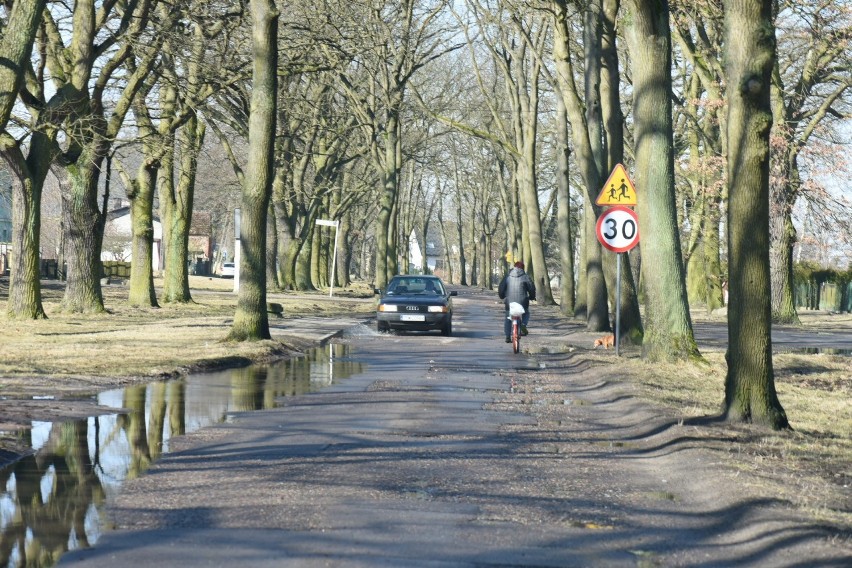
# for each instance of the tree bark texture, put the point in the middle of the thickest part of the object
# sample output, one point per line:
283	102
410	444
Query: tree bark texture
462	273
344	253
272	250
533	232
302	262
749	385
251	321
580	303
141	293
563	215
90	135
83	225
668	327
319	270
386	264
612	120
782	238
176	203
24	287
783	192
28	176
587	132
703	266
16	44
597	319
141	191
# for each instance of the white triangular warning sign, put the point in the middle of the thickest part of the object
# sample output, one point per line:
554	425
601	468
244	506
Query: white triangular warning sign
618	189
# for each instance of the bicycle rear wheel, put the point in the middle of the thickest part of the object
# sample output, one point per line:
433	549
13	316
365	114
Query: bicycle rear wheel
516	336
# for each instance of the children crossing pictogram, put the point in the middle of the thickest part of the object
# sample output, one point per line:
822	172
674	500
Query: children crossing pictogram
618	189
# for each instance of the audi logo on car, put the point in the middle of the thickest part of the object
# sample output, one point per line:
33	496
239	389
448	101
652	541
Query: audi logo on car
412	308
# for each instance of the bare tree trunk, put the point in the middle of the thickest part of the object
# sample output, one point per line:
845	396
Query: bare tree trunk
24	287
251	321
587	135
460	234
28	175
597	289
532	225
176	210
16	45
140	192
750	394
473	231
712	256
563	216
302	253
386	263
318	274
581	302
596	293
448	259
782	239
83	223
783	189
344	253
141	197
613	151
668	329
272	250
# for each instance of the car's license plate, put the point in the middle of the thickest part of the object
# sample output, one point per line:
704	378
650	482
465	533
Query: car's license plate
411	317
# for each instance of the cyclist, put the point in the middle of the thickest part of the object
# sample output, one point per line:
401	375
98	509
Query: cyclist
518	287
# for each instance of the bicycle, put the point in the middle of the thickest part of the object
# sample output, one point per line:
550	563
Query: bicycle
516	313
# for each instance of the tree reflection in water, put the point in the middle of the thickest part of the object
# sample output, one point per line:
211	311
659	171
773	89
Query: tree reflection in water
52	500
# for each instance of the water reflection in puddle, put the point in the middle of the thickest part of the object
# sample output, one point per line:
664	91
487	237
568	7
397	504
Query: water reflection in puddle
52	501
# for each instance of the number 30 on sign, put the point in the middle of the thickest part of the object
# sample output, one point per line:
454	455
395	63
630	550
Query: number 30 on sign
618	229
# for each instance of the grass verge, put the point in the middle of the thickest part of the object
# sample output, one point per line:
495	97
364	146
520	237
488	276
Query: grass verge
814	390
73	353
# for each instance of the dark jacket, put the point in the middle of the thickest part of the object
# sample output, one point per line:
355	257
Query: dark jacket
518	287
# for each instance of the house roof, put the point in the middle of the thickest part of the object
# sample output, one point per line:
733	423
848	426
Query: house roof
123	212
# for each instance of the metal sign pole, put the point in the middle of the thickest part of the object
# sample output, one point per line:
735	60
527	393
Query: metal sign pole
237	251
617	302
336	225
333	261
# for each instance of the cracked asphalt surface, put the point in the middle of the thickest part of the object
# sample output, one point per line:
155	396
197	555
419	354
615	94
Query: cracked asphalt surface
455	452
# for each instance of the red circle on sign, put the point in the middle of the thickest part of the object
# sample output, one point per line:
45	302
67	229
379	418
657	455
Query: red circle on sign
618	228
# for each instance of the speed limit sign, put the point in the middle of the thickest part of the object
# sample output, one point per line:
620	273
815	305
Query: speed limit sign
618	229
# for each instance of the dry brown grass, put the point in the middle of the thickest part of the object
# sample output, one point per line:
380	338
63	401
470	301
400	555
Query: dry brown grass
811	464
72	353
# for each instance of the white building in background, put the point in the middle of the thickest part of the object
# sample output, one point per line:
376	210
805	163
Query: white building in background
425	258
433	258
118	238
415	253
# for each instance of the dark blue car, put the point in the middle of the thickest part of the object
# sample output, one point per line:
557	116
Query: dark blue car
415	303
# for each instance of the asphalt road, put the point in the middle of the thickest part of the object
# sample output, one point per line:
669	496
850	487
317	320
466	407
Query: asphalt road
410	464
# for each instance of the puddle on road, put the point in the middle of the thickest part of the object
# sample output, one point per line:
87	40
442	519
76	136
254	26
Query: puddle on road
52	501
